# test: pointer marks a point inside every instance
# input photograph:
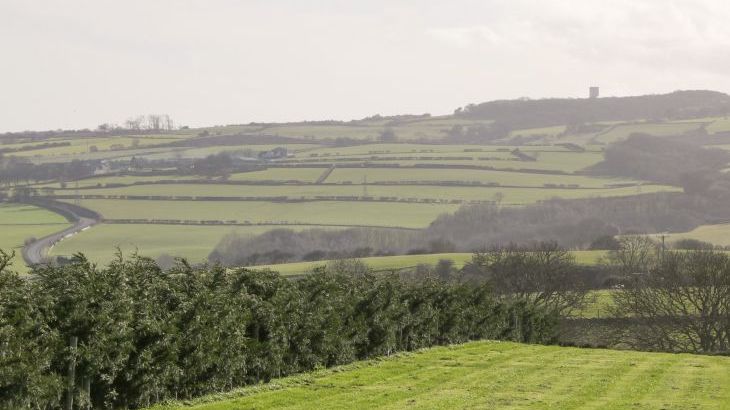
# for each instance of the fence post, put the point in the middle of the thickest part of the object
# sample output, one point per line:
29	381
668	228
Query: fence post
71	373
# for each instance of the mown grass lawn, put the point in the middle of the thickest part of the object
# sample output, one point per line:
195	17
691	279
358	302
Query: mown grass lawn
498	375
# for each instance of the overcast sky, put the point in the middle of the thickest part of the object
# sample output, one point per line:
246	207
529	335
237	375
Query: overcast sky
78	63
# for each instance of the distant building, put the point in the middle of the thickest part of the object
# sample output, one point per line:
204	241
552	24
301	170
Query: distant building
593	92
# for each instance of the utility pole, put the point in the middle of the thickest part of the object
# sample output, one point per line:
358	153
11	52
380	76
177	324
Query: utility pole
664	247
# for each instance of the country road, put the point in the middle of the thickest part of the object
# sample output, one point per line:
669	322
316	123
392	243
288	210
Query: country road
82	218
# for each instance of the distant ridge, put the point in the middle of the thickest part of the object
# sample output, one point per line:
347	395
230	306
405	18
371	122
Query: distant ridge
560	111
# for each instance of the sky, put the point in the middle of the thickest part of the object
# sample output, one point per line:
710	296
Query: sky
79	63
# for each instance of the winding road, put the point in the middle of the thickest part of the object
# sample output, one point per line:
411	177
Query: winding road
82	218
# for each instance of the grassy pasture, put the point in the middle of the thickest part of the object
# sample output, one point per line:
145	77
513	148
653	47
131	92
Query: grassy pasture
83	145
405	261
203	152
380	214
716	234
20	222
497	375
423	149
270	174
191	242
280	174
510	196
721	124
355	175
549	161
324	131
623	131
547	131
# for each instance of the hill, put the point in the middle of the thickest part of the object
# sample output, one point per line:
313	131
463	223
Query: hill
561	111
499	375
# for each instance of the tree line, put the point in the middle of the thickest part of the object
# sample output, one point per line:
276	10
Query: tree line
132	334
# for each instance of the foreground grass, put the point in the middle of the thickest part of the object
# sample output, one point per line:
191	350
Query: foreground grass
498	375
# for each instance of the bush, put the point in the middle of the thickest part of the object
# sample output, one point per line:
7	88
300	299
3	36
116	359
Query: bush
146	334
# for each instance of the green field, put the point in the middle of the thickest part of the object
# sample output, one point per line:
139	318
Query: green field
356	175
498	375
716	234
511	196
621	132
19	222
191	242
408	261
380	214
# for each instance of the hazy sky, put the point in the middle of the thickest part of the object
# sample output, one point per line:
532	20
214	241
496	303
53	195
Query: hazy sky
76	64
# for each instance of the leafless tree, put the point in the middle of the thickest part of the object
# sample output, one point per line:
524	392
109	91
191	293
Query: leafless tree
681	304
154	122
635	254
544	275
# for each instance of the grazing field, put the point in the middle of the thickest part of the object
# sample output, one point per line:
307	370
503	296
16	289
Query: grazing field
408	261
510	196
379	214
356	175
86	145
191	242
621	132
20	222
715	234
498	375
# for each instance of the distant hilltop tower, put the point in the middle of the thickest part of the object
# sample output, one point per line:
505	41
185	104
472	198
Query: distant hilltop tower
593	92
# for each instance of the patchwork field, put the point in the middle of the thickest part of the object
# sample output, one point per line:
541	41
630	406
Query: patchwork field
411	177
497	375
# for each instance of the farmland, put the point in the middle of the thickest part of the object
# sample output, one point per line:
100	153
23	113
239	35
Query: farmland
332	174
398	262
20	222
511	196
498	375
191	242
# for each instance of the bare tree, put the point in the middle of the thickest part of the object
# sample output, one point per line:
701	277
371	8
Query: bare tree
154	122
545	276
681	304
635	254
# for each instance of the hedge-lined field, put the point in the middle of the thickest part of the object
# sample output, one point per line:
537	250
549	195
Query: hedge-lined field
499	375
192	242
406	261
380	214
355	175
509	195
